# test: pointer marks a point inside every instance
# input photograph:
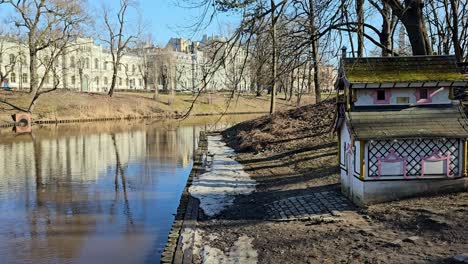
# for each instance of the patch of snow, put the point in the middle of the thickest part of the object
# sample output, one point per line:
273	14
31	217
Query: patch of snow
187	237
241	252
224	179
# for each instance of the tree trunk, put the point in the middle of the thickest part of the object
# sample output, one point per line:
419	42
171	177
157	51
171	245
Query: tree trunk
156	91
32	71
360	26
273	62
455	23
412	17
315	56
386	35
114	78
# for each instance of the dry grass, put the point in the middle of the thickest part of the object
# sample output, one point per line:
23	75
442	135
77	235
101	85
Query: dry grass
283	130
62	105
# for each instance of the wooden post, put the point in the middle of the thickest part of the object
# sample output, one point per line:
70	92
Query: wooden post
465	153
362	146
339	147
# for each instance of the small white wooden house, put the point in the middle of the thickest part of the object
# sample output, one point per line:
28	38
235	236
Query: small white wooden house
400	131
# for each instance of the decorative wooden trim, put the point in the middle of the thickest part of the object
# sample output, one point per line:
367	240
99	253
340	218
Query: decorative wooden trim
465	158
437	156
388	94
339	146
393	158
362	149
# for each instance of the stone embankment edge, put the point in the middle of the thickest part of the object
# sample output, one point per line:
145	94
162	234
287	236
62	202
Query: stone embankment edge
86	120
187	212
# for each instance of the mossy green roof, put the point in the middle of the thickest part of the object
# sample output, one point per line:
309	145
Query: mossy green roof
401	69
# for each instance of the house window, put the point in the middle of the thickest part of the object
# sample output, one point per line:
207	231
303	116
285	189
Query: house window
12	59
97	81
381	95
423	94
96	64
87	63
120	81
13	77
73	80
105	80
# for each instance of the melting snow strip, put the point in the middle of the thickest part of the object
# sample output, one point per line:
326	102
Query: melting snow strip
223	179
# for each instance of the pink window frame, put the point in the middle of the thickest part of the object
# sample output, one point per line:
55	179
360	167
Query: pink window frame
430	94
391	157
436	156
388	94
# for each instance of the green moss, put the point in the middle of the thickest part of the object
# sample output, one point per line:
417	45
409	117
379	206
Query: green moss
372	76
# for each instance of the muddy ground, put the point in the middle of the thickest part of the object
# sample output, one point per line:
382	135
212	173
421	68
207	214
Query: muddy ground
292	153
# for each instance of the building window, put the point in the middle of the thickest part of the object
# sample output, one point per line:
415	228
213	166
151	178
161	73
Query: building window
73	80
87	63
13	77
120	81
133	68
97	81
141	82
105	80
72	62
12	59
96	64
24	78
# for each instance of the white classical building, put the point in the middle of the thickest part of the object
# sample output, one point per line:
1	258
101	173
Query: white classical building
87	67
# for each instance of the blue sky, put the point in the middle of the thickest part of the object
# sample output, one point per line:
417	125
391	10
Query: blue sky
167	19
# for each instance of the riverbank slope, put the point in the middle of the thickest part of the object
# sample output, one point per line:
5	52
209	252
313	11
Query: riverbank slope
67	105
298	215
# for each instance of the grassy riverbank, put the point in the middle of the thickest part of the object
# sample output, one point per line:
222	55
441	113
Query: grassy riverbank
65	105
292	154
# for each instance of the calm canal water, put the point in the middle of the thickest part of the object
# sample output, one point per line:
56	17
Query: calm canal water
93	193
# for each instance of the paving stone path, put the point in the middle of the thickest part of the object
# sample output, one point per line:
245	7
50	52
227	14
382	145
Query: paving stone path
308	206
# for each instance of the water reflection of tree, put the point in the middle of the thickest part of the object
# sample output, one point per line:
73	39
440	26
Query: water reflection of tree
119	170
55	214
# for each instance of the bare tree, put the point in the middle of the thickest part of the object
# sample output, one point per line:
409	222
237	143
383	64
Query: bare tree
118	39
51	27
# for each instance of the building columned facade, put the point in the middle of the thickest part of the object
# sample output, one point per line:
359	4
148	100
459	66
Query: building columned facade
87	67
